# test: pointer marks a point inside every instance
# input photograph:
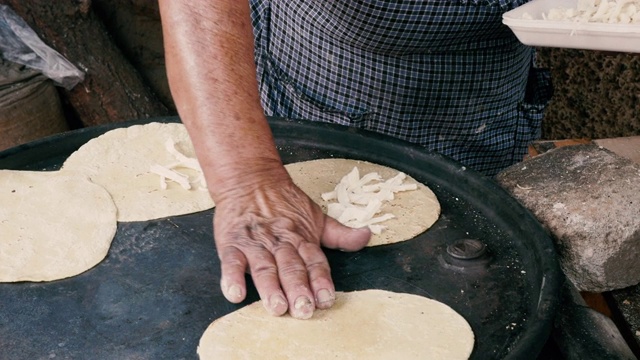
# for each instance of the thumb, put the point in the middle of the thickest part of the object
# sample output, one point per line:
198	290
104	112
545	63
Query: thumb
338	236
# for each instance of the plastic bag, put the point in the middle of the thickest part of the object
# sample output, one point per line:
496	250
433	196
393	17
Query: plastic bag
20	44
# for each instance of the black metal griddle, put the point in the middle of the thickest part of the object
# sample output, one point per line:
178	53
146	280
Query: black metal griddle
157	290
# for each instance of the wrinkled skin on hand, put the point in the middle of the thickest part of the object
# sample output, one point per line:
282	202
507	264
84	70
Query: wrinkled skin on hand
263	223
269	227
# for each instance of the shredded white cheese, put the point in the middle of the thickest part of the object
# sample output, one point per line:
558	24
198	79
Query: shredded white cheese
172	171
168	173
602	11
359	200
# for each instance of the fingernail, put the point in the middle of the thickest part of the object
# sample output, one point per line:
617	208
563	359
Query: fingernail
234	292
301	302
324	296
303	308
277	302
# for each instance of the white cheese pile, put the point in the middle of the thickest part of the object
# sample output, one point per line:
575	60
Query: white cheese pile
602	11
172	171
359	201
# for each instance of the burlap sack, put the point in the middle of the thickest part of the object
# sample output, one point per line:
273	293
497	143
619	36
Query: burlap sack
30	106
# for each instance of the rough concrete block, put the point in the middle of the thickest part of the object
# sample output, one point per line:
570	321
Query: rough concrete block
589	200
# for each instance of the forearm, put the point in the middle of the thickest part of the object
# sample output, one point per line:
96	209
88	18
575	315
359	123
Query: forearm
212	76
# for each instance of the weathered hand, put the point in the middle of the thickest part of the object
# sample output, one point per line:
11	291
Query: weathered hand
268	226
263	223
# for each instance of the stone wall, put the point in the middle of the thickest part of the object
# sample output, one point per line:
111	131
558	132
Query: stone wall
596	94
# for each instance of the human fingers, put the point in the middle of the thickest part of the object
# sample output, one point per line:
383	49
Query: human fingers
233	265
234	262
294	280
242	243
338	236
264	273
319	275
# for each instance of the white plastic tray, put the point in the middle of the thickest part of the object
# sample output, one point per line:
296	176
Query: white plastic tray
568	34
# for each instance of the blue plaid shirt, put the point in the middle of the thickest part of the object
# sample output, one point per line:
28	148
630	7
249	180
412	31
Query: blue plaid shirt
445	74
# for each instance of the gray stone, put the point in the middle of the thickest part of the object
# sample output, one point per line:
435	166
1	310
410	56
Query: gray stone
589	200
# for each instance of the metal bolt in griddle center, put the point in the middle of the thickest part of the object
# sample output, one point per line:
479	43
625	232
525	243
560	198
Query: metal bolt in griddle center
466	249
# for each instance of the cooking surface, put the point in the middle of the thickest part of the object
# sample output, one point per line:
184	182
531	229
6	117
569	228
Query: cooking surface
157	290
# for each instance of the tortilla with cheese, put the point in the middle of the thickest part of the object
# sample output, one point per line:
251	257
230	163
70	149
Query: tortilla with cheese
414	211
122	161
